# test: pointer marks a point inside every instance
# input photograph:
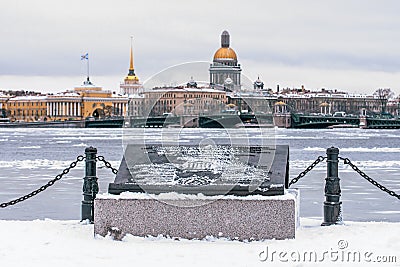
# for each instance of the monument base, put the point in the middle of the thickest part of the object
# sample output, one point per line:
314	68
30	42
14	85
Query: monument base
197	216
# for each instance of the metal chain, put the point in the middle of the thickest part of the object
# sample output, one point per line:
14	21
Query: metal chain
369	179
44	187
107	164
307	170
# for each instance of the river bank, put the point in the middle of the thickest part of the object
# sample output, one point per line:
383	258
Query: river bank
71	243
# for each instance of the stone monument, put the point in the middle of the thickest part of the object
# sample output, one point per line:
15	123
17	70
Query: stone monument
194	190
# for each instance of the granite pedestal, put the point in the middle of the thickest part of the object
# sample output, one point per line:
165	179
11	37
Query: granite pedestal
194	191
242	218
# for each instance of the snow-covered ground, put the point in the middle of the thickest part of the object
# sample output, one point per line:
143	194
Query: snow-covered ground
71	243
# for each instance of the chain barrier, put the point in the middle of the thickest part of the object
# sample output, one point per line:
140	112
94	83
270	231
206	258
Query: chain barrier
107	164
369	179
44	187
307	170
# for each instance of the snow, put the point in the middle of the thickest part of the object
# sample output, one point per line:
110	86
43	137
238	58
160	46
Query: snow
289	194
71	243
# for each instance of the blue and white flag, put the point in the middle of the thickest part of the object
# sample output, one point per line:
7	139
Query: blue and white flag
85	56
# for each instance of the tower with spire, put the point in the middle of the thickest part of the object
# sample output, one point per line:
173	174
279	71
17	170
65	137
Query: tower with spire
131	84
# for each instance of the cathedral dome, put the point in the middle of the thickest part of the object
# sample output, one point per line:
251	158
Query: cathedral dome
225	53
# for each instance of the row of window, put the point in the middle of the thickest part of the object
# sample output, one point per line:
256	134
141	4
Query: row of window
23	104
203	96
30	112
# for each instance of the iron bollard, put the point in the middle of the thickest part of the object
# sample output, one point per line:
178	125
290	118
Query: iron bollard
332	208
90	185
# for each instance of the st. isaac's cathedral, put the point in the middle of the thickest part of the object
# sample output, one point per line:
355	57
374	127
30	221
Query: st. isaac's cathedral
225	70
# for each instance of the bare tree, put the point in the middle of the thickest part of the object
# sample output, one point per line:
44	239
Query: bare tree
384	95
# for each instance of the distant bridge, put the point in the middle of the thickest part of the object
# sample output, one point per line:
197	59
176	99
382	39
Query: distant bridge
375	123
248	120
202	121
157	121
321	121
233	120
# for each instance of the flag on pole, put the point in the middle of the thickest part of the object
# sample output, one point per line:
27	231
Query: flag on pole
85	56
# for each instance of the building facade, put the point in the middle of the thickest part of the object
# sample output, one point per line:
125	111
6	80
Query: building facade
225	72
27	108
331	102
83	102
3	105
181	100
86	101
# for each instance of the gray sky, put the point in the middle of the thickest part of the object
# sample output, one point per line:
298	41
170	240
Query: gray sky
351	45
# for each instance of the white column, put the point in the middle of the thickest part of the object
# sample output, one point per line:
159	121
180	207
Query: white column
79	109
56	104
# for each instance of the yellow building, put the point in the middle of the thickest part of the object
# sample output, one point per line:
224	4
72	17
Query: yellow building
85	101
3	105
26	108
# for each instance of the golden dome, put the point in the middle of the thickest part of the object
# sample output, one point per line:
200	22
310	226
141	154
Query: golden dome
280	103
225	53
132	78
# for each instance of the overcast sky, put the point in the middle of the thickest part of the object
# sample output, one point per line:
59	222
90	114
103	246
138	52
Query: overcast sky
352	45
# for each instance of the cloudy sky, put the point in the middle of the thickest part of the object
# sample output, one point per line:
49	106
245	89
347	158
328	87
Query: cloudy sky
351	45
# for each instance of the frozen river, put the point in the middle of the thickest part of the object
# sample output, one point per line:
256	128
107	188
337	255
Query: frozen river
31	157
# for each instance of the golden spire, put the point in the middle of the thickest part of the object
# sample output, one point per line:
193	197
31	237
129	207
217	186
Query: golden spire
131	61
131	74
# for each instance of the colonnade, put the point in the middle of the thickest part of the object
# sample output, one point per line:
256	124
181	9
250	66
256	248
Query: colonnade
64	109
